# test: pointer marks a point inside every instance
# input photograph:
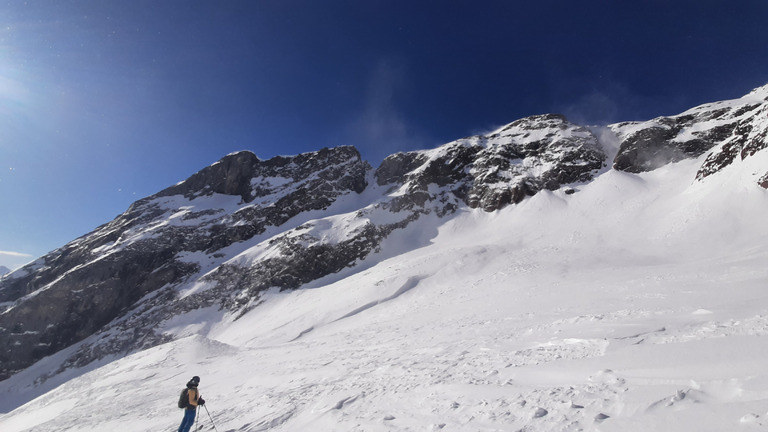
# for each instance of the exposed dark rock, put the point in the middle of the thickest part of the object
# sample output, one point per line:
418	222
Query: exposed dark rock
394	168
728	130
233	175
763	182
79	289
490	172
230	176
244	225
301	259
758	141
600	417
112	289
655	146
745	141
719	159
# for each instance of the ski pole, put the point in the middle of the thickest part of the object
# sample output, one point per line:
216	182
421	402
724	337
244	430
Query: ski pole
197	423
209	416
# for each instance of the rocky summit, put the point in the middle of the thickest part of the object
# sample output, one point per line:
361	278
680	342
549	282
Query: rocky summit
243	225
492	171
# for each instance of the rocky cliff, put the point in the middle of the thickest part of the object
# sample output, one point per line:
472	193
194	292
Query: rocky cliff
157	245
725	131
244	225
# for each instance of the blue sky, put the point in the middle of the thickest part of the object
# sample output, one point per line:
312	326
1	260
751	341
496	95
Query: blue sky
105	102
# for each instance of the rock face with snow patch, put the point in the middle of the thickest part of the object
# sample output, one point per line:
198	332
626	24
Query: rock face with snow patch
243	225
157	244
763	182
490	172
729	130
483	171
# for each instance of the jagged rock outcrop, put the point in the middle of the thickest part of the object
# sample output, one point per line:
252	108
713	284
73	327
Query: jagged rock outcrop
73	292
224	234
749	137
654	144
763	182
527	155
244	225
728	130
490	172
245	175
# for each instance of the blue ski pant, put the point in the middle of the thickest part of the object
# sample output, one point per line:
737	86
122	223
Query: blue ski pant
188	421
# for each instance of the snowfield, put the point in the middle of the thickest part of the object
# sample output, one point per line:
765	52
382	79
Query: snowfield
638	303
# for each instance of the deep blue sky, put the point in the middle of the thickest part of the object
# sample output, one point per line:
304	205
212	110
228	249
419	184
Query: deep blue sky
105	102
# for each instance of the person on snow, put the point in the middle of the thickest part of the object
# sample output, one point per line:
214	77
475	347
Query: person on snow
193	401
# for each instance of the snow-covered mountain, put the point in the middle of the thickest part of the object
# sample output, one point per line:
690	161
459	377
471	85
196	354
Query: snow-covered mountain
546	276
242	226
4	270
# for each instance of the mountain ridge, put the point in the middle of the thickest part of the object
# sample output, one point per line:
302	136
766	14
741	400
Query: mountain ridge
244	226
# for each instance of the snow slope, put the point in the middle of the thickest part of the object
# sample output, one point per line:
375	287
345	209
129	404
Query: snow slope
637	303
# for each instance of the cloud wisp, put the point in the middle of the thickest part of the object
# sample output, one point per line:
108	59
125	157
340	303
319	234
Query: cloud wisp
381	128
14	260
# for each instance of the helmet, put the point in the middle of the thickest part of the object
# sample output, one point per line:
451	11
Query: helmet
193	382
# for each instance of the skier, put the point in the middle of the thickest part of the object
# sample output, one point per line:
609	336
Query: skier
192	401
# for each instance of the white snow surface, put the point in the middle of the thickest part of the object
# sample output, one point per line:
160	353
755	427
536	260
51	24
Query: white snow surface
638	303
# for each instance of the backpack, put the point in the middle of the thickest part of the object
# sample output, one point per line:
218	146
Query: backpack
184	399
